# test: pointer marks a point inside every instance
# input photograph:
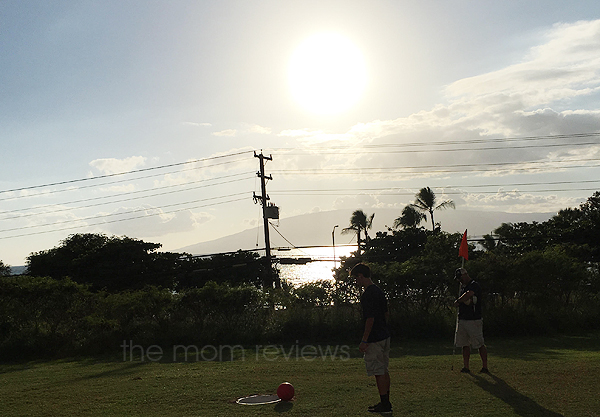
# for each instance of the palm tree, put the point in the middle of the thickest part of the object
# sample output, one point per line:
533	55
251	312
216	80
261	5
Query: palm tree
359	221
427	202
411	217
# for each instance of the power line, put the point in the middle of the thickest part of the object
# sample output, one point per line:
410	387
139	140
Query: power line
355	190
492	140
83	187
334	190
118	201
123	213
478	140
122	220
383	170
353	150
124	173
463	142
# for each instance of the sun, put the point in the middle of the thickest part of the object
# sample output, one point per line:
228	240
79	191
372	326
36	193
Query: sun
327	73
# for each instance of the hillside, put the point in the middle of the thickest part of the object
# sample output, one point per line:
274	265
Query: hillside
315	229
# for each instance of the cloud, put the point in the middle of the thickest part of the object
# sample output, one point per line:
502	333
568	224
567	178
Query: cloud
152	221
197	124
553	91
114	166
565	66
120	189
516	201
313	136
227	132
258	129
363	201
216	164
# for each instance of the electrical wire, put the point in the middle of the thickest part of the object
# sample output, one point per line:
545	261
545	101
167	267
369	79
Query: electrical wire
351	191
471	149
478	140
381	170
122	213
115	201
83	187
535	166
122	220
124	173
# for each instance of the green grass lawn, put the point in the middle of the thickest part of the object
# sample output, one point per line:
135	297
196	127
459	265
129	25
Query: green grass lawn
530	377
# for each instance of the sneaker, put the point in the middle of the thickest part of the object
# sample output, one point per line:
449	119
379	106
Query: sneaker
381	408
373	406
465	371
485	371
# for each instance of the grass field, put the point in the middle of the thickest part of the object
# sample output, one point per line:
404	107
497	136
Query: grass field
530	377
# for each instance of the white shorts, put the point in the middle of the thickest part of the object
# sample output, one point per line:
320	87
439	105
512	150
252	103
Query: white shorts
470	333
377	357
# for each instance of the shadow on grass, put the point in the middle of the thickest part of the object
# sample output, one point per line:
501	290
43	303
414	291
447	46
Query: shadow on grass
283	407
550	347
127	368
521	404
525	348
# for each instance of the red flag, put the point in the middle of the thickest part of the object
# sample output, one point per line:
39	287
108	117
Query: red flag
464	247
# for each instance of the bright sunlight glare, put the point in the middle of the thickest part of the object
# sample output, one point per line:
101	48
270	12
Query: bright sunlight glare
327	74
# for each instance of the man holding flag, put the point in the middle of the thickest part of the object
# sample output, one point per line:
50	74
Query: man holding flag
469	330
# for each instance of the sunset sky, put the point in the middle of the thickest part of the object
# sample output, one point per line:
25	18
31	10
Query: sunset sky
141	118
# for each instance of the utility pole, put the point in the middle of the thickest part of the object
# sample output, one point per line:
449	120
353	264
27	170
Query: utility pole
333	243
266	214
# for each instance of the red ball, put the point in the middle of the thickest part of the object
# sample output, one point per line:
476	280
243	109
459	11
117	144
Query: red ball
285	391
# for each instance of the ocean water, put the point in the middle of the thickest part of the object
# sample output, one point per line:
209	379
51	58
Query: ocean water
319	269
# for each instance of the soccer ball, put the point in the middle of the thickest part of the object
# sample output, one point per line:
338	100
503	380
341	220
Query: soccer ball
285	391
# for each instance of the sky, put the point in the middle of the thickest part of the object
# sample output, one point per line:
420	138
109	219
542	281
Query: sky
143	118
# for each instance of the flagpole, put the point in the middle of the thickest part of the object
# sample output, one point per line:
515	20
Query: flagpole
463	252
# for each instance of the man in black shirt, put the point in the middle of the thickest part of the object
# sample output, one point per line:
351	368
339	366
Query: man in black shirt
469	331
375	343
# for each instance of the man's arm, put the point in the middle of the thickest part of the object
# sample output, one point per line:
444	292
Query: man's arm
464	298
368	326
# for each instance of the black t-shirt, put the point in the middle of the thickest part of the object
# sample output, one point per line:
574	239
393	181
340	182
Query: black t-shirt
374	305
472	311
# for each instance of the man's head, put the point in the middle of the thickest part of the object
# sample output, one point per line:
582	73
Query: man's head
362	274
462	275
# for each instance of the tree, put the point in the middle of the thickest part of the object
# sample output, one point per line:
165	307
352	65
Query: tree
426	201
397	246
411	217
488	242
579	227
4	269
359	222
113	263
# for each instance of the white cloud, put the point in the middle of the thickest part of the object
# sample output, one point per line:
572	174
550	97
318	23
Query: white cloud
154	221
208	168
258	129
227	132
126	188
555	90
516	201
114	166
363	201
566	66
197	124
313	136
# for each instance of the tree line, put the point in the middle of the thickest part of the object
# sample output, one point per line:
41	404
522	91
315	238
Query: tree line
92	291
